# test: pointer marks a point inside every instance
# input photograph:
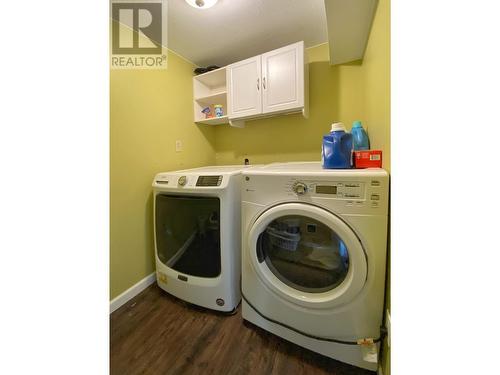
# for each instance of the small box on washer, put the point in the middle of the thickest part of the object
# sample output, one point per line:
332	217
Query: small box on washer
368	159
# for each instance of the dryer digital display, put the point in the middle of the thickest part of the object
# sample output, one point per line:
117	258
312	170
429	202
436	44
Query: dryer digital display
326	189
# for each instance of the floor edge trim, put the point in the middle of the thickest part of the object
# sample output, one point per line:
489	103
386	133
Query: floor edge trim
131	292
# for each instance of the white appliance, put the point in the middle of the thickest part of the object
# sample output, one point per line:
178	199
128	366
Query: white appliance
314	256
197	235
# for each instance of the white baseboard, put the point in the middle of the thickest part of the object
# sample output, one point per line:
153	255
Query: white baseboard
131	292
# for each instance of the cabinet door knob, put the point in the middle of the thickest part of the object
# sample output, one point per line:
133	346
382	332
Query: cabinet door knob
264	83
258	84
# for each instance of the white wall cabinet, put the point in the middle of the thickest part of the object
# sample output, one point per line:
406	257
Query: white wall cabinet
283	79
273	83
267	84
245	87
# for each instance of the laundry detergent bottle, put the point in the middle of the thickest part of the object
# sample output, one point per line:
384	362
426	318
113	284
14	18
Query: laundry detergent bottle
359	137
336	152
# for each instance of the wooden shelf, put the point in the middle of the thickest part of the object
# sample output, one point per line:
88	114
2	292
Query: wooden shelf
214	78
210	89
214	121
215	98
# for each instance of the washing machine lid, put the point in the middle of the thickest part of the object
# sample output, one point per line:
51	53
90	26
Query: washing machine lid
312	168
307	256
214	169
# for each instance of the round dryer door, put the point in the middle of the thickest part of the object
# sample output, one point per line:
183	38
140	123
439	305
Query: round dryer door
307	255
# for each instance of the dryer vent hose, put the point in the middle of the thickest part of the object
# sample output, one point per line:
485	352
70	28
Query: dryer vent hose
363	341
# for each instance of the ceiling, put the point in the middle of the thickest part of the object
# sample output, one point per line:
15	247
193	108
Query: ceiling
233	30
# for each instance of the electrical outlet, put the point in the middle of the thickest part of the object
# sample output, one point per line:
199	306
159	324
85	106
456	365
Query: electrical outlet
178	145
388	326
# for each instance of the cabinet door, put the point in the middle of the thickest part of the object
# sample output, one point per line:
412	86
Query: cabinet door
244	87
283	78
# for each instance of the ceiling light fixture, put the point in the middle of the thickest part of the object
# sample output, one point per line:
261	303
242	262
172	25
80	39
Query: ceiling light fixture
201	4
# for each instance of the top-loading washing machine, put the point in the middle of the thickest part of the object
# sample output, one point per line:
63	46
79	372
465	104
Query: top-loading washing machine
197	235
314	256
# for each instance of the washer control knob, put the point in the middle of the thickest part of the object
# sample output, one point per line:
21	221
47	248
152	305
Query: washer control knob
299	188
182	180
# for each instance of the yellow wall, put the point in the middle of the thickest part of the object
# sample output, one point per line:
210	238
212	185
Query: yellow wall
377	81
149	110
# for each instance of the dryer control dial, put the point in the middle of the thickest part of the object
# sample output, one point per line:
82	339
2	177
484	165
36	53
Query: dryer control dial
182	180
299	188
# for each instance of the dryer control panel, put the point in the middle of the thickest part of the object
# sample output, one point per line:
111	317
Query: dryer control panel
339	190
350	193
353	192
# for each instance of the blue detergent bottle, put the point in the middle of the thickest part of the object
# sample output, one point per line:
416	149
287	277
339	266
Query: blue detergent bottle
359	137
336	152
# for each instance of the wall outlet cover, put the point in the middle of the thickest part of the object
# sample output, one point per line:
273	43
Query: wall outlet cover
178	146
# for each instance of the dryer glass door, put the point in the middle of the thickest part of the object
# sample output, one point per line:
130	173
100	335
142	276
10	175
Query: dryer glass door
188	234
304	253
307	255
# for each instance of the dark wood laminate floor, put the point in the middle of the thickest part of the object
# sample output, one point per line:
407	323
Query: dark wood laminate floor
155	333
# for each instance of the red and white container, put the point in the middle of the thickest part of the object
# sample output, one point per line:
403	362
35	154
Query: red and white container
368	159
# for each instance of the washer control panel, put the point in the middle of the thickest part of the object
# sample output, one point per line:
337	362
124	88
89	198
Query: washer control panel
177	181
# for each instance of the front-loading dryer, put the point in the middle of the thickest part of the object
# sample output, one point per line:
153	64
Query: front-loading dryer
314	256
197	235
